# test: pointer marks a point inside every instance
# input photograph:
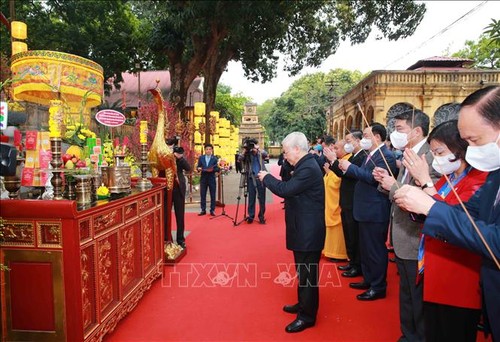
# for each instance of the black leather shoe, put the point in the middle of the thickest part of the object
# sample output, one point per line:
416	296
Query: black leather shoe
202	213
263	221
293	309
344	267
297	326
371	295
353	272
359	286
249	220
182	244
336	260
212	213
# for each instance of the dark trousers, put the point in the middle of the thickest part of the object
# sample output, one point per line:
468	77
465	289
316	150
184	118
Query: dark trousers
411	315
374	258
450	323
207	181
307	267
351	236
178	201
253	190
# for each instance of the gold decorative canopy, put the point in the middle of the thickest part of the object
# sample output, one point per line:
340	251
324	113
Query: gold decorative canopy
41	76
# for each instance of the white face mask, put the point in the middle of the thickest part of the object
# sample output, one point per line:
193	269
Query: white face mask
484	158
444	166
399	140
348	148
366	144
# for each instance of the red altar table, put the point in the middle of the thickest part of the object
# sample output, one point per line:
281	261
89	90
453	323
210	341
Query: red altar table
75	273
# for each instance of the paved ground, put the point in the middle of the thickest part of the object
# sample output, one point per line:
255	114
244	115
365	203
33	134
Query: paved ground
232	191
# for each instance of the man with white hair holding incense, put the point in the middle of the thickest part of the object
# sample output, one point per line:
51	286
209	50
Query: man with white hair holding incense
305	225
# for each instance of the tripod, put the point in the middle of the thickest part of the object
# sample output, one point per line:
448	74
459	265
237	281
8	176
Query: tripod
243	188
223	213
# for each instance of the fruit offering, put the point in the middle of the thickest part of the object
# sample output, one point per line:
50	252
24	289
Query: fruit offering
72	161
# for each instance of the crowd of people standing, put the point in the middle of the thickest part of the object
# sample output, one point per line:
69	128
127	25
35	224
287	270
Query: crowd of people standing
446	254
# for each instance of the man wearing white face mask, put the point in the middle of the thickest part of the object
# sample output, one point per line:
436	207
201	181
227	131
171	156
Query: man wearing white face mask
349	225
479	125
412	127
371	210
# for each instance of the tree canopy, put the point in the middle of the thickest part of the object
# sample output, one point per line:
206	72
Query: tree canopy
302	107
107	32
195	38
203	36
230	106
486	50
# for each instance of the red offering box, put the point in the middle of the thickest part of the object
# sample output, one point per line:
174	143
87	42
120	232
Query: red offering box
31	140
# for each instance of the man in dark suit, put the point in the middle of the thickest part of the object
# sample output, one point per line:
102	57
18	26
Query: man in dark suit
411	132
179	193
207	165
305	225
349	225
479	125
371	210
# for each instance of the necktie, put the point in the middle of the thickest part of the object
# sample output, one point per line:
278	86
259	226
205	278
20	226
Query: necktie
368	157
420	264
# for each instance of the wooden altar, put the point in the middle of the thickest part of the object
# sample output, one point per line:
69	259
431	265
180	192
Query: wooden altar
75	273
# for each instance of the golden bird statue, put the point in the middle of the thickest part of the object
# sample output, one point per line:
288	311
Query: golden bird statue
160	156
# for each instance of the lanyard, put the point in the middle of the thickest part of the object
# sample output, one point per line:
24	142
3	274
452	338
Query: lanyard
445	188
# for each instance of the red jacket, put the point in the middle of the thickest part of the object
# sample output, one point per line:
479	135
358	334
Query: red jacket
451	274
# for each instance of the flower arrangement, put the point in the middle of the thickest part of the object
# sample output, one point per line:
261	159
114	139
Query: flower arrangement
110	149
77	134
102	192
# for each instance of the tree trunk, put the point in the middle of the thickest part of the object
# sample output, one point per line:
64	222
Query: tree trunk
212	72
182	73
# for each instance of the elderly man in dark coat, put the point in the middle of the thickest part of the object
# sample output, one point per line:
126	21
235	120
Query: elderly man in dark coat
305	225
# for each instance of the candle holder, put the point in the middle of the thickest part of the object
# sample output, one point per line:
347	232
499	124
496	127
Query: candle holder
144	183
12	184
56	163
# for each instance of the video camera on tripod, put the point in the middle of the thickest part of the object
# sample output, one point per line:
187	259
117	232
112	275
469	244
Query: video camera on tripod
249	144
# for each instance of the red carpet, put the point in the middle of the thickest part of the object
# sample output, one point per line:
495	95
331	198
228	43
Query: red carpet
233	283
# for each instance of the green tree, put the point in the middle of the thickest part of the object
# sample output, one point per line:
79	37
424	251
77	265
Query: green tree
493	30
203	36
107	32
230	106
302	107
485	52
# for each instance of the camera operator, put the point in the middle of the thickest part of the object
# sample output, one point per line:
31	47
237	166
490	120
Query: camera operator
253	162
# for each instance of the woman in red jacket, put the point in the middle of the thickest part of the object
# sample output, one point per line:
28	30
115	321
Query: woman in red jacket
452	295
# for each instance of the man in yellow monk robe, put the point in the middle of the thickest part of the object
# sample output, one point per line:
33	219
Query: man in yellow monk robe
335	248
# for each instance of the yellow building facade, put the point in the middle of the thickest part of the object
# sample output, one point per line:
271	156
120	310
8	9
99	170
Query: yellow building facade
384	94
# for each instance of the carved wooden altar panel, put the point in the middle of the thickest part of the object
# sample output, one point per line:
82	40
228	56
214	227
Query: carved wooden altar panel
89	307
94	265
147	227
107	273
130	257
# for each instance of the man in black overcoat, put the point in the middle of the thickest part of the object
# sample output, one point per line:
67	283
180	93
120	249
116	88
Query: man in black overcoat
305	225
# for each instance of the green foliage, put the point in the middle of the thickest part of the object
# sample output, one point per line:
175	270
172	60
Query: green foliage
493	30
230	106
106	32
485	52
203	36
302	107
